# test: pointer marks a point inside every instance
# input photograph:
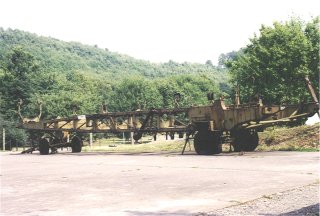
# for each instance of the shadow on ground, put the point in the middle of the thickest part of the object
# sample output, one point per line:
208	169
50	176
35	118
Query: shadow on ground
312	210
164	153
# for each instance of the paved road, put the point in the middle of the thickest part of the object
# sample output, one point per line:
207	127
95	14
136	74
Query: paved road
146	184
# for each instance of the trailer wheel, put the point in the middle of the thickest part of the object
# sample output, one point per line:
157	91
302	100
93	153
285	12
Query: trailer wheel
253	141
245	140
44	146
76	144
207	143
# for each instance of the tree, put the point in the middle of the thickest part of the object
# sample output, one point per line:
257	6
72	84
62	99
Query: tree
313	35
274	64
135	93
209	63
18	81
193	89
73	92
225	57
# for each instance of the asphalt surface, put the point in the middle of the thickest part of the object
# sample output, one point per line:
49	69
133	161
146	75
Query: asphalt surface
146	184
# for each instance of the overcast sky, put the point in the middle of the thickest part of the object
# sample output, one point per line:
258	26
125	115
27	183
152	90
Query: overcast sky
154	30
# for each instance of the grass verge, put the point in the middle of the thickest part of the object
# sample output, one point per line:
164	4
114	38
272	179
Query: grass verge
300	138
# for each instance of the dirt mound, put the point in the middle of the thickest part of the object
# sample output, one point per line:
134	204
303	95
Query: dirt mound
301	138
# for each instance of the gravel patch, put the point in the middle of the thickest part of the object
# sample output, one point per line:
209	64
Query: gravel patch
302	201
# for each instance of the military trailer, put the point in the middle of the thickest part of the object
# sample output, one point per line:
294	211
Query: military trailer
209	125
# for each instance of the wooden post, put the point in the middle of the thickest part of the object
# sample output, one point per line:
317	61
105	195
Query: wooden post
3	139
311	90
131	121
131	138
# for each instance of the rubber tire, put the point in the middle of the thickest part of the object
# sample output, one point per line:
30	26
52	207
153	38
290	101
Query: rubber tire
245	140
253	142
76	144
207	143
44	146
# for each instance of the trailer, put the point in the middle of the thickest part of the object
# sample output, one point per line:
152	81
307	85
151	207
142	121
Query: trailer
209	126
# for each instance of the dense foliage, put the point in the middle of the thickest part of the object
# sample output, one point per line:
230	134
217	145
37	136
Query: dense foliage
54	55
276	61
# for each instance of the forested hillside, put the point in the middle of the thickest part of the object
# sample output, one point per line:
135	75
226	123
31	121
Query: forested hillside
69	76
54	55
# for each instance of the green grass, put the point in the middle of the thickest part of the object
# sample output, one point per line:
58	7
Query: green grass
158	146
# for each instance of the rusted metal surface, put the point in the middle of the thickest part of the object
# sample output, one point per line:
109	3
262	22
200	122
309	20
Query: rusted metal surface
226	118
115	122
217	115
